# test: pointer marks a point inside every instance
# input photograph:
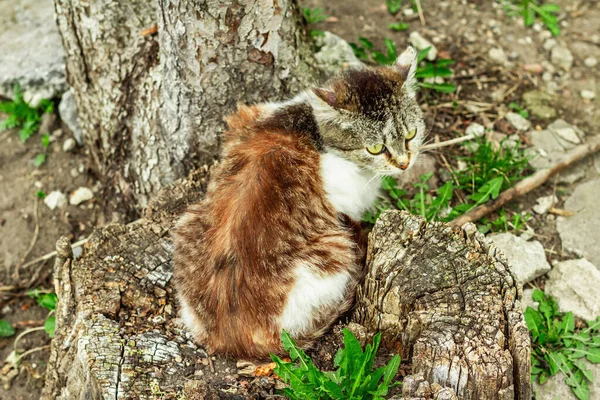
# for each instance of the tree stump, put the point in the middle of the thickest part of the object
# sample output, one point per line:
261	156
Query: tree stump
443	297
448	301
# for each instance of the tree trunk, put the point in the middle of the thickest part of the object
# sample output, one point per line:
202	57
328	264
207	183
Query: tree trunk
448	301
152	80
442	297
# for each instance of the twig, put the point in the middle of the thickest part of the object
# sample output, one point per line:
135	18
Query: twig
25	332
420	10
447	142
36	232
150	31
28	352
52	254
530	183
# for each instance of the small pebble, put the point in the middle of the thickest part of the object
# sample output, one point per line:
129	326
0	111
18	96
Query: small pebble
81	195
588	94
590	62
69	145
475	129
55	199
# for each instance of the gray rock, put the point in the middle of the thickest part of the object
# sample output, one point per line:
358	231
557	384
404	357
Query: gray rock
80	195
562	57
420	43
569	135
55	199
556	388
544	204
475	129
69	145
527	300
539	104
335	54
67	110
579	233
517	121
588	94
574	285
527	259
498	56
551	144
590	62
31	50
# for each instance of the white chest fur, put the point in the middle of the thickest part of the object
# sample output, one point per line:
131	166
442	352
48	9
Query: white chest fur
350	189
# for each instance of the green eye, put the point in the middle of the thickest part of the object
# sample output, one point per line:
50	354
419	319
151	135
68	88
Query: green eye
411	134
376	149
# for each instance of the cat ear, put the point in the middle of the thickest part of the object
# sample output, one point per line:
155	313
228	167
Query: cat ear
336	96
406	65
328	96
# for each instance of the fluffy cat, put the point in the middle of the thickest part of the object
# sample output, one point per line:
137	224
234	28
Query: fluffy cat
275	243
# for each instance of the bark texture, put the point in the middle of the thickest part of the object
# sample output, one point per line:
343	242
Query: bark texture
448	301
442	297
151	105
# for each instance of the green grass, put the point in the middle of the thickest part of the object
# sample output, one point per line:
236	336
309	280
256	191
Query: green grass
531	10
21	115
314	16
354	377
487	172
558	347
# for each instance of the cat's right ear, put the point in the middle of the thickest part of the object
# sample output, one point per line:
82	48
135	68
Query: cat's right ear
335	96
406	65
328	96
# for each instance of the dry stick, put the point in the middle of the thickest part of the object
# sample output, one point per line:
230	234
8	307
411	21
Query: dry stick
420	10
447	142
52	254
530	183
16	274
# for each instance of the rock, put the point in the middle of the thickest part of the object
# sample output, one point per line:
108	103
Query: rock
67	110
550	44
69	145
574	285
579	232
588	94
424	165
475	129
556	388
544	204
590	62
55	199
527	299
498	56
539	104
31	50
567	132
420	43
517	121
562	57
527	259
80	195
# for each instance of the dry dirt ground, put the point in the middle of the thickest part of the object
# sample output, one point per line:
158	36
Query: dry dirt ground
462	30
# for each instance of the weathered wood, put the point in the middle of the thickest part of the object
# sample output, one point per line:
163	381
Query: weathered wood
442	297
151	105
447	300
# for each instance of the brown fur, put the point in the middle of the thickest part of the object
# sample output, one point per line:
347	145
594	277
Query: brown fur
265	209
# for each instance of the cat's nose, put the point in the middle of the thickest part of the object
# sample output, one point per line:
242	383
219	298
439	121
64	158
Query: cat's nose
403	166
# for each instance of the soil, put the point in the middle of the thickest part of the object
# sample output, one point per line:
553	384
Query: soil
464	31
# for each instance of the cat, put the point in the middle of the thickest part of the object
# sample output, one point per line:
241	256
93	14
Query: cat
274	243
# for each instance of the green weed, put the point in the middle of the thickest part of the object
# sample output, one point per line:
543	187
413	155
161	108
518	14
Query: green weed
530	10
6	329
518	109
393	6
314	16
504	222
48	301
21	115
558	347
354	377
399	26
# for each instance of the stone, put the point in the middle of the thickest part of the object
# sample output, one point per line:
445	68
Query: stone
556	388
527	299
420	43
574	285
517	121
551	144
55	199
567	132
67	110
528	259
579	233
544	204
475	129
498	56
539	104
31	50
562	57
590	62
550	44
80	195
588	94
69	145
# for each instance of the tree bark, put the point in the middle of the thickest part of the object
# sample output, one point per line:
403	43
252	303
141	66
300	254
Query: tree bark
151	105
448	301
443	298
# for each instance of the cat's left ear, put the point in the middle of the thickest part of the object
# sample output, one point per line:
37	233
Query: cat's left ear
406	65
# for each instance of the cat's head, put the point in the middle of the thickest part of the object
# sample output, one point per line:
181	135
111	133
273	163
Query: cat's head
370	116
